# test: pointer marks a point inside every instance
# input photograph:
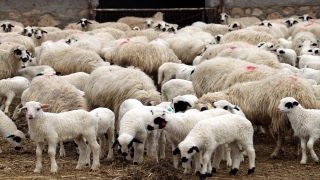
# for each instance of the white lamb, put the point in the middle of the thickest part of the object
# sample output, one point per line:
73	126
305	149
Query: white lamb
285	43
12	88
206	136
176	87
185	72
45	127
288	56
307	58
305	124
313	65
183	102
309	73
9	131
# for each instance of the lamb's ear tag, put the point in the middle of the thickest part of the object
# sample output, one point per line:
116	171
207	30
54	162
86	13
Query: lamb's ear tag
10	135
169	109
39	74
210	107
19	110
236	107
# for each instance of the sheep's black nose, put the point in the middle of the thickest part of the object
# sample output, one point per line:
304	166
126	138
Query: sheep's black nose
184	159
17	148
124	154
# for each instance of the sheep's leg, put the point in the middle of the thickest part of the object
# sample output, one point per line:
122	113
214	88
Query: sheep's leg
269	132
248	147
205	160
198	158
154	143
82	152
52	146
102	141
304	151
10	96
95	148
62	151
162	145
227	156
218	154
174	145
110	133
235	150
281	136
310	147
2	103
138	153
0	150
39	157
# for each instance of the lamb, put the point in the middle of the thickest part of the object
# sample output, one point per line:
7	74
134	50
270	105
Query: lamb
11	88
185	72
207	137
285	43
68	60
288	56
45	127
32	71
142	23
233	109
313	65
300	38
109	86
247	21
178	125
9	131
176	87
307	58
43	36
304	123
184	102
128	105
309	73
268	46
167	71
279	85
12	55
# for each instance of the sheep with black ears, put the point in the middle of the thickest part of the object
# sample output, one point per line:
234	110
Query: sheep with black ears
247	21
288	56
45	127
279	85
207	136
141	22
178	125
9	131
31	72
176	87
9	27
309	73
183	102
305	124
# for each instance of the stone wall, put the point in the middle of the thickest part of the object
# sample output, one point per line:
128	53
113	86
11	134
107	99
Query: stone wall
272	9
45	12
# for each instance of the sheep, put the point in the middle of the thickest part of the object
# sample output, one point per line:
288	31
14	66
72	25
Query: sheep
42	36
31	71
309	73
45	127
306	48
109	86
233	109
9	27
28	31
300	38
222	72
85	25
9	131
12	55
176	87
305	17
150	34
288	56
304	123
293	69
19	39
235	26
313	64
142	23
183	102
116	33
132	128
247	21
280	30
279	85
268	46
307	58
207	136
68	60
284	43
12	88
185	72
178	125
167	71
105	127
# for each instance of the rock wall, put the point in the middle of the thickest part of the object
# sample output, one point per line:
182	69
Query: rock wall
57	13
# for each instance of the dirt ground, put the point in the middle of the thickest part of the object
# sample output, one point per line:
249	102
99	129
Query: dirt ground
20	164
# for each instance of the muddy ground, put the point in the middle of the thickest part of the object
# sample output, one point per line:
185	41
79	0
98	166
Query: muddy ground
20	164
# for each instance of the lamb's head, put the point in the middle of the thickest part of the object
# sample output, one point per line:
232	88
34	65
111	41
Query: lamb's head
7	26
38	33
161	25
173	28
223	18
17	112
291	22
148	22
28	31
205	102
125	142
234	26
305	17
16	139
159	119
269	46
287	104
187	149
166	105
71	39
22	53
33	108
266	23
226	105
182	103
218	38
84	22
48	72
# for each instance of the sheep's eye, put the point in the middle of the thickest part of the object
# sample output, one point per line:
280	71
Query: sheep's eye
38	109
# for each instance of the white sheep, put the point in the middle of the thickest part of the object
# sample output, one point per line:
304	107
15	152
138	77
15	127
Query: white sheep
45	127
31	72
9	131
183	102
305	124
233	109
285	43
313	65
167	71
12	88
178	125
141	22
206	136
247	21
176	87
185	72
288	56
9	27
307	58
309	73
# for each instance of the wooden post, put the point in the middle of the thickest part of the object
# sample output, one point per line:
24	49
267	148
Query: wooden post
91	17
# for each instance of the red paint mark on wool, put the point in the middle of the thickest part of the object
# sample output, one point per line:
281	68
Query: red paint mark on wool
124	42
294	78
233	47
251	67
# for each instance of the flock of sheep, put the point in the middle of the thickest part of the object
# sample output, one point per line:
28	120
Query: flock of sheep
142	81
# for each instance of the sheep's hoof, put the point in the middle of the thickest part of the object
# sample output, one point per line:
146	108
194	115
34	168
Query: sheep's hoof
37	171
251	171
233	171
209	174
273	156
203	176
197	173
303	162
214	170
135	163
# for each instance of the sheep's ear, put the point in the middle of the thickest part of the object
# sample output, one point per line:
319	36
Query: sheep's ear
44	31
269	25
17	51
196	149
203	109
176	151
309	17
295	103
17	139
78	22
281	51
225	107
136	140
10	25
45	106
152	112
10	135
261	24
300	17
192	72
235	25
2	25
115	143
188	104
295	21
89	22
236	108
39	74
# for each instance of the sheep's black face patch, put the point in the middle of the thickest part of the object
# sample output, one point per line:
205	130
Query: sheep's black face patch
225	107
17	51
203	109
17	139
161	122
181	106
288	105
130	144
